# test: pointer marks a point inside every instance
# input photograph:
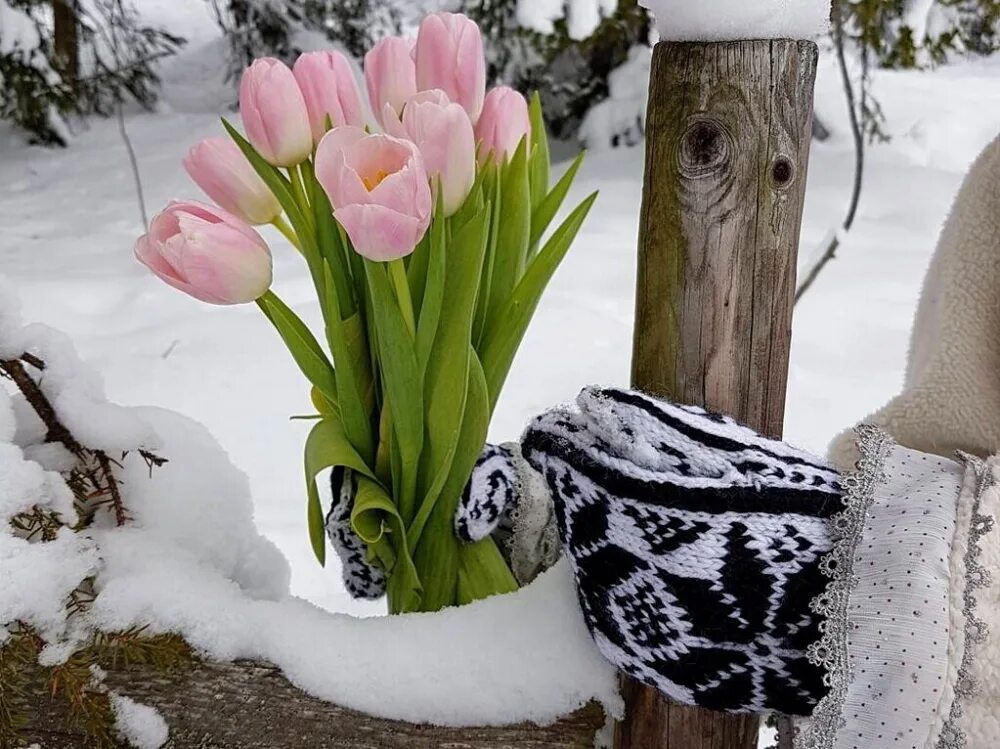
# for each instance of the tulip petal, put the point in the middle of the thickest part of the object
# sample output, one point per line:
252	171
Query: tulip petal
379	233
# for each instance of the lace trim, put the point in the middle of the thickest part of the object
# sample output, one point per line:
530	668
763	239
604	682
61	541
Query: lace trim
976	631
831	651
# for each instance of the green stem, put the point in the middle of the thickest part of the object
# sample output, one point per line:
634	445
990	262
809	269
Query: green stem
296	175
397	274
287	231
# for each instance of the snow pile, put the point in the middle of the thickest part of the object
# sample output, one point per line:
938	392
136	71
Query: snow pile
620	119
140	725
190	561
582	16
721	20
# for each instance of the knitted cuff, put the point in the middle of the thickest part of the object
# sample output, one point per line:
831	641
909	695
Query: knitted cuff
695	543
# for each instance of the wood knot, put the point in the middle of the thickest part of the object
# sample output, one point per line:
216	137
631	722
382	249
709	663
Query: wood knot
704	148
782	172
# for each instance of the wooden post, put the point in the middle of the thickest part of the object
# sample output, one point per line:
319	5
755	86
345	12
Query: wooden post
727	146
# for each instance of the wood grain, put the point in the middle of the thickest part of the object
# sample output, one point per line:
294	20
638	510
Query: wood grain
727	149
248	705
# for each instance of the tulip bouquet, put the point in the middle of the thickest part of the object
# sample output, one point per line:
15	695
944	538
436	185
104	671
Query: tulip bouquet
426	230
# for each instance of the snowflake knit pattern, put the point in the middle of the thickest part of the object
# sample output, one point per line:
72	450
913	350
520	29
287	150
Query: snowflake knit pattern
696	546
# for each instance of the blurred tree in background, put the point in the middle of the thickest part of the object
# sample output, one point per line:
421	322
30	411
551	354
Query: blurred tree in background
65	58
570	73
60	58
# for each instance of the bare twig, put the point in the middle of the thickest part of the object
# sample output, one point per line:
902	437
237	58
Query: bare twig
112	38
93	480
112	487
56	432
857	130
134	164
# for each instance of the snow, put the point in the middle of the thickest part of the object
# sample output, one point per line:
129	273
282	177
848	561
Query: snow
620	119
721	20
582	16
70	218
140	725
191	561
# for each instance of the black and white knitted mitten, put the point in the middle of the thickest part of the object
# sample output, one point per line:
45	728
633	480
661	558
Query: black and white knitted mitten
490	495
695	543
500	500
361	578
487	508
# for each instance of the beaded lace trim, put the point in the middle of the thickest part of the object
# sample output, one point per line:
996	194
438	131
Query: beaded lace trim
831	651
976	577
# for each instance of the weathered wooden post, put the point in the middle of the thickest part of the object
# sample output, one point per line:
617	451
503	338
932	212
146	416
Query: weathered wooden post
727	146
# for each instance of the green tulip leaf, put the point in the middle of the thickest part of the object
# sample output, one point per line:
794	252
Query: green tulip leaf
401	381
504	336
303	346
540	159
433	292
512	244
272	176
355	389
545	211
326	446
447	377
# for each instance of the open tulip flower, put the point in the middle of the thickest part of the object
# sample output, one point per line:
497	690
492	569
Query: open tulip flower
378	188
427	261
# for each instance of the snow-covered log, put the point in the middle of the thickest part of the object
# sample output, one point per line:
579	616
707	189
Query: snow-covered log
248	705
127	544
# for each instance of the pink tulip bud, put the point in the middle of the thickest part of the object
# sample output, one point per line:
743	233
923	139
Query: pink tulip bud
206	252
329	89
390	75
218	166
443	134
378	188
504	122
274	113
449	56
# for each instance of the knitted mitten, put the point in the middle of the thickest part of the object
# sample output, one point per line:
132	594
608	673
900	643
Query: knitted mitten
361	578
499	501
490	495
695	543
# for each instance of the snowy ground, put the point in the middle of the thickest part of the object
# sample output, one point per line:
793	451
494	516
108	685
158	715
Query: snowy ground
69	219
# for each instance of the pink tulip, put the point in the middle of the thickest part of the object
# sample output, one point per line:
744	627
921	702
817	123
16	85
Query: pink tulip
274	113
449	56
329	89
390	75
218	166
206	252
443	134
505	121
378	188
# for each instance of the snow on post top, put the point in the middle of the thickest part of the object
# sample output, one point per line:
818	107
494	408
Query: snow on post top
726	20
